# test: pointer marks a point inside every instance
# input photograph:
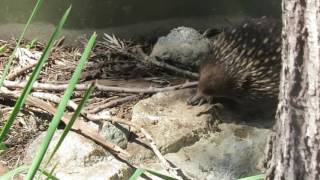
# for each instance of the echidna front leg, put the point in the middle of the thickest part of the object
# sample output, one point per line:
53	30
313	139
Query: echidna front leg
199	100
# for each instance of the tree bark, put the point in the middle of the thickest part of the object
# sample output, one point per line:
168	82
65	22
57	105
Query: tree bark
295	150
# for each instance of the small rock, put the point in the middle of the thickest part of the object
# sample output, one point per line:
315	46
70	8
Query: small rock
115	133
183	46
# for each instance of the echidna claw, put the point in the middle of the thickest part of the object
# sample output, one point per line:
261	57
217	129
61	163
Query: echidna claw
198	100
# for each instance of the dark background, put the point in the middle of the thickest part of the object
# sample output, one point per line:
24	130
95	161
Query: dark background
110	13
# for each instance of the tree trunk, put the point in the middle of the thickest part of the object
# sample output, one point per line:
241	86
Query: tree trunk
295	149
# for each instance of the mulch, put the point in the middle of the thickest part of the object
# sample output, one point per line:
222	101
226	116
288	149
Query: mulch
111	62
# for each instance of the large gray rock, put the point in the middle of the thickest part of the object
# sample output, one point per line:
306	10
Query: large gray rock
79	158
172	123
183	46
185	137
232	153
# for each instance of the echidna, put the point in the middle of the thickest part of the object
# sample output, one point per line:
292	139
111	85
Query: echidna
244	66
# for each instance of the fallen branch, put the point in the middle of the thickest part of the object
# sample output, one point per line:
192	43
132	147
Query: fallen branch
83	87
78	126
149	90
94	102
53	98
111	104
21	71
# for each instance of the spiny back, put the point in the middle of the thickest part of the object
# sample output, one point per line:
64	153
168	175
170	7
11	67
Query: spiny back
250	56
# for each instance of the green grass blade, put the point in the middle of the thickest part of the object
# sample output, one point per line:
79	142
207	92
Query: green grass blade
60	110
51	176
21	100
160	175
3	147
257	177
140	171
8	64
2	49
32	43
72	120
137	173
9	175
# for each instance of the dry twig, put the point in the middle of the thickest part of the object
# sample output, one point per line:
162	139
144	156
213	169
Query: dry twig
94	102
79	126
111	104
154	61
21	71
83	87
53	98
137	53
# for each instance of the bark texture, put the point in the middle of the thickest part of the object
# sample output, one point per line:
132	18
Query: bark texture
295	153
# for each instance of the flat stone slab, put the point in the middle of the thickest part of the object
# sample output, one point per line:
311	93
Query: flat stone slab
172	123
227	155
186	139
